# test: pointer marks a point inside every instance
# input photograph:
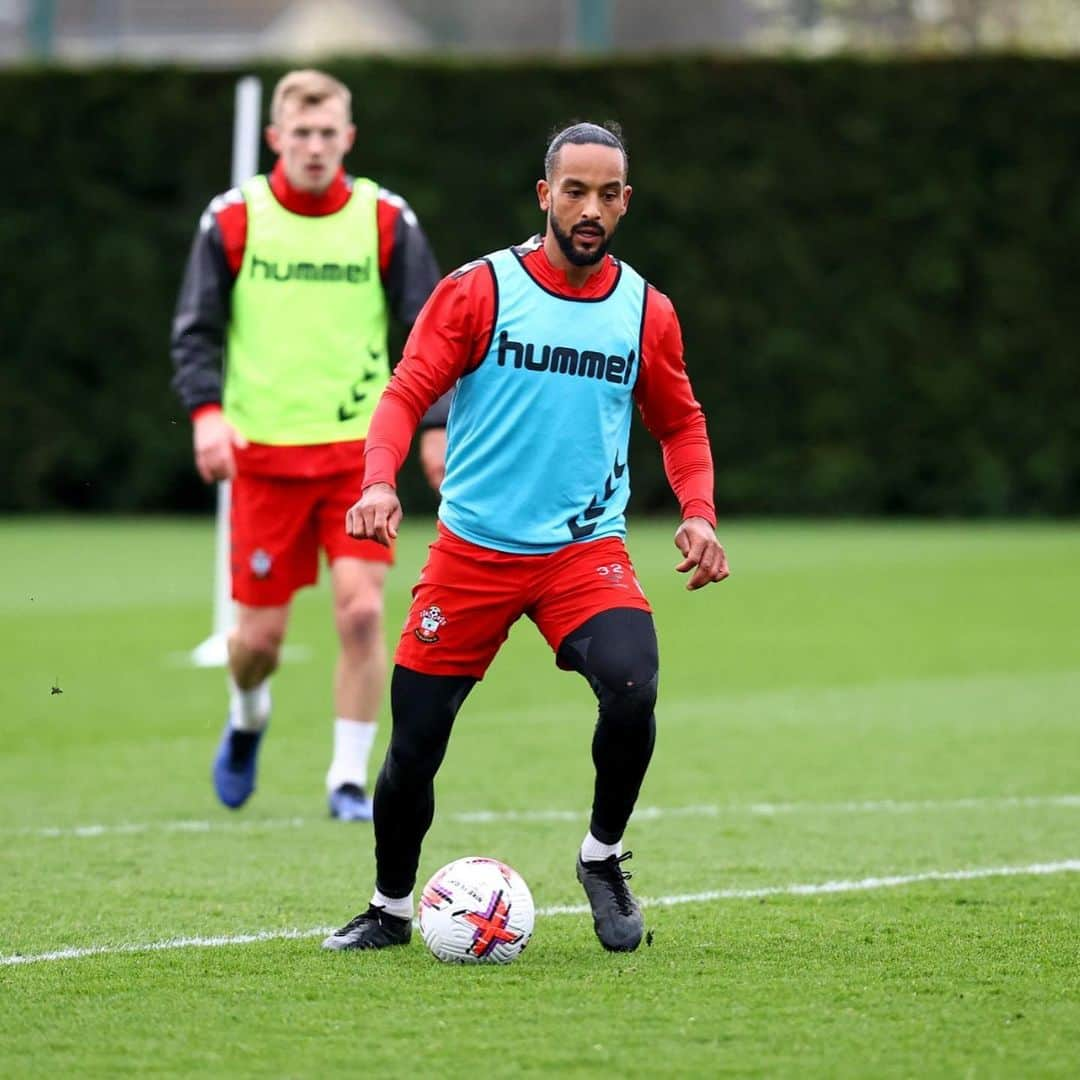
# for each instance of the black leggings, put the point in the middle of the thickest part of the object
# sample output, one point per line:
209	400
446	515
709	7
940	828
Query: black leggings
615	651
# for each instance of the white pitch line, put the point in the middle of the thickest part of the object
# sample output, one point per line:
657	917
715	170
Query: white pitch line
643	813
825	888
160	946
129	828
813	889
766	809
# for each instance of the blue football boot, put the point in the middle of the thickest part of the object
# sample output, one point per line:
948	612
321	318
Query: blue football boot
350	802
234	766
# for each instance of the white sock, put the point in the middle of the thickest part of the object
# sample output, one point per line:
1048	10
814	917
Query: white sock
352	748
593	851
401	908
249	710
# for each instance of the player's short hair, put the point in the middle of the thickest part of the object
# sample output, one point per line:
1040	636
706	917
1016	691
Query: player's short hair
308	87
609	133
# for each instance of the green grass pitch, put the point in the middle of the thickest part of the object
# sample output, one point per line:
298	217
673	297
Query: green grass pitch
892	709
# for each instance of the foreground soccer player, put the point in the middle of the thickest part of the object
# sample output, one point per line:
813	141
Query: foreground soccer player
550	344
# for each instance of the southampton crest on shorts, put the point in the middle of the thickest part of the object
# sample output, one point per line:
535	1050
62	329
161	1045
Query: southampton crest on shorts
261	563
431	618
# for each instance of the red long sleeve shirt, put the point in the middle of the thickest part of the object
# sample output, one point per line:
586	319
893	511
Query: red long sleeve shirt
453	333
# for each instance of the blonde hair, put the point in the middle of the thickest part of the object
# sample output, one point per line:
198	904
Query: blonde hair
308	87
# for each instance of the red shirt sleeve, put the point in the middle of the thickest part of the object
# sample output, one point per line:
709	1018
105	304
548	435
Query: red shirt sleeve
450	337
232	223
672	414
386	216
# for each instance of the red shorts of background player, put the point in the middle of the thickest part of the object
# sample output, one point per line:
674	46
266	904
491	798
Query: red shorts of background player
468	597
278	526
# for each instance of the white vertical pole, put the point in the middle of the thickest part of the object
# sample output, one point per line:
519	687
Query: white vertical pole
245	147
213	652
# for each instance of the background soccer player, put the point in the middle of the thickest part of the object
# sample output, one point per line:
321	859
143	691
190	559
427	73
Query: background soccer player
290	280
550	345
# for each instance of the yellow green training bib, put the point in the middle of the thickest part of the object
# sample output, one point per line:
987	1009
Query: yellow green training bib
306	354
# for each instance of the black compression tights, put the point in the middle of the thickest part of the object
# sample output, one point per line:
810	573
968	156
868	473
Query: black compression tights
616	652
423	709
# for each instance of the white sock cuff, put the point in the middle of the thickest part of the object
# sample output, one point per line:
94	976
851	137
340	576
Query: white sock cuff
593	851
249	710
401	908
353	740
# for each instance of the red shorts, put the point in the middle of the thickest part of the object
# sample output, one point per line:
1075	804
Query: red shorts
278	525
468	597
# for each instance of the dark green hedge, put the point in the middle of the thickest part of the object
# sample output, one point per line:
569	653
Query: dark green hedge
872	262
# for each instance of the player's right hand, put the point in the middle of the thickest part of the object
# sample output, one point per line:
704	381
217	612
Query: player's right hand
214	439
376	516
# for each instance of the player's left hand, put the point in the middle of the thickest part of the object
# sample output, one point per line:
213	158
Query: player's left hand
433	455
702	553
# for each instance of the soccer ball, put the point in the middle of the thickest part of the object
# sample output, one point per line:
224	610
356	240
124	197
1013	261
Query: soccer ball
476	911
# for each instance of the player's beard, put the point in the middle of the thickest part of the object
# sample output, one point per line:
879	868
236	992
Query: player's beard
565	241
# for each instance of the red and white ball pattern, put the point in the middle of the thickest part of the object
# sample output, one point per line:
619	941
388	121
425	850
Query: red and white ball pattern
476	911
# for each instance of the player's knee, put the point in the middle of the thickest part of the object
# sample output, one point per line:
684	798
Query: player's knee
259	645
411	764
630	701
423	707
360	620
624	675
